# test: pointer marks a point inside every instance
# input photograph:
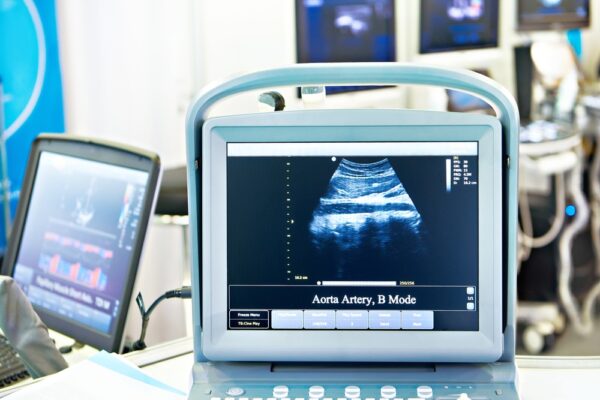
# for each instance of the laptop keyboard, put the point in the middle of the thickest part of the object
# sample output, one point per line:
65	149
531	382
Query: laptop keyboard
12	369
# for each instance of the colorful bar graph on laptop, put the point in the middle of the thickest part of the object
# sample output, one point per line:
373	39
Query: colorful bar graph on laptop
75	261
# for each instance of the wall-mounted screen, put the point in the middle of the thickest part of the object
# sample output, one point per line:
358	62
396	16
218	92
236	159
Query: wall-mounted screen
452	25
553	14
345	31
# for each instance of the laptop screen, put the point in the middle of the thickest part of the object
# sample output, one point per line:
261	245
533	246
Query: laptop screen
352	236
78	239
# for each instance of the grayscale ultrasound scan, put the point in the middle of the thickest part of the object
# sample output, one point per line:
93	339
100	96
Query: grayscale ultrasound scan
309	219
366	210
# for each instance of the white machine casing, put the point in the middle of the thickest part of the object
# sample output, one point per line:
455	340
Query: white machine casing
453	364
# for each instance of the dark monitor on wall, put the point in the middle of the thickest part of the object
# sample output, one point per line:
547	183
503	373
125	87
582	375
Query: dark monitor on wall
78	234
345	31
452	25
552	14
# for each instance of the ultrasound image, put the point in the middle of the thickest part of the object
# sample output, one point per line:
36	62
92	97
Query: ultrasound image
366	210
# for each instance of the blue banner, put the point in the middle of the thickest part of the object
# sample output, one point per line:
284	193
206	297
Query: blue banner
32	90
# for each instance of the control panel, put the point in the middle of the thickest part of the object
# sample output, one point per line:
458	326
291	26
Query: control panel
362	392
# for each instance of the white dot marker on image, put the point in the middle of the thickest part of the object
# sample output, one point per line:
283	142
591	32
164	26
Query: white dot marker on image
333	159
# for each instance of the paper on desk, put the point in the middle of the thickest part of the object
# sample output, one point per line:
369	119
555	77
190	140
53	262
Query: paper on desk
104	376
125	367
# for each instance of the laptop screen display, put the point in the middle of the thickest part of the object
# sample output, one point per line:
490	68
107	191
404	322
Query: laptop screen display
78	239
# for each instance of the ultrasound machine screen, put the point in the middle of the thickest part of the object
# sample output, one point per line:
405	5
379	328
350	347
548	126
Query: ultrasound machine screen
78	238
353	236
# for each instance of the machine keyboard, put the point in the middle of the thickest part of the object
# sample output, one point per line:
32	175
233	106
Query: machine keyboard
450	397
364	392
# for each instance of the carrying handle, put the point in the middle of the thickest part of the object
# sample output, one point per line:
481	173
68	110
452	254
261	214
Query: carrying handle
367	74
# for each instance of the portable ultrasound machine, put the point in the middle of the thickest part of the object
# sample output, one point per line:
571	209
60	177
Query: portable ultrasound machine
354	254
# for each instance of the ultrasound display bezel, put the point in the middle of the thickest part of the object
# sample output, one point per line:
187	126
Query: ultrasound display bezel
218	343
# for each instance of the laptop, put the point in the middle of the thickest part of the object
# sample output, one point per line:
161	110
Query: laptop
349	254
79	233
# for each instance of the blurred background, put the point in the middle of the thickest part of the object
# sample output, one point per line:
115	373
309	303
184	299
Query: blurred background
127	71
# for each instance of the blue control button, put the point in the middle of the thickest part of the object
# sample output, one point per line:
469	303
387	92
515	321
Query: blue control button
352	319
319	319
417	319
384	319
286	319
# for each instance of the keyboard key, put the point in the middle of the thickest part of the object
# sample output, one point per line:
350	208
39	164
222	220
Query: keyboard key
352	392
388	392
280	391
316	392
425	392
235	391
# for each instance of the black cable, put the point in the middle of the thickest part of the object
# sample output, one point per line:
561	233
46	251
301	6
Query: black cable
69	348
184	292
